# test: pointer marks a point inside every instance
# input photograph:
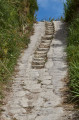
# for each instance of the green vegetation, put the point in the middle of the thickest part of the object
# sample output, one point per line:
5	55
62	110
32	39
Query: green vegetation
72	17
71	9
16	20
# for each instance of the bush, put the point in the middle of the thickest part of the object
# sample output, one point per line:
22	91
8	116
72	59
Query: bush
72	17
71	8
73	57
15	15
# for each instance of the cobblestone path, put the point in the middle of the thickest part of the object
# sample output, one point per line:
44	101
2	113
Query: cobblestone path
36	87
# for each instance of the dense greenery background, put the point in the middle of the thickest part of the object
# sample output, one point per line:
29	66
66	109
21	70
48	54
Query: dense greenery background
16	20
72	17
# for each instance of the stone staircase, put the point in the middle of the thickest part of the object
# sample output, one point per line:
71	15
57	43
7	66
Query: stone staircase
40	54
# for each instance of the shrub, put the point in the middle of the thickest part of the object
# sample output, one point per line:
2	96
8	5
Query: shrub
71	8
14	16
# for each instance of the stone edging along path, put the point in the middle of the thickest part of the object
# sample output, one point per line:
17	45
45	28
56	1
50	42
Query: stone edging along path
35	93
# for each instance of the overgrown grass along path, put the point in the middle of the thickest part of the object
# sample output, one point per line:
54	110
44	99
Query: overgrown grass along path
73	58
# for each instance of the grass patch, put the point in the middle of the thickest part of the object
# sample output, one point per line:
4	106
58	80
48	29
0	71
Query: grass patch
71	9
16	21
73	58
11	45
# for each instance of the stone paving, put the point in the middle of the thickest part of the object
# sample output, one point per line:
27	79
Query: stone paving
35	91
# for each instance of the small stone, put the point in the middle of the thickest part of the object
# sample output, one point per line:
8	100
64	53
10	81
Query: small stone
24	102
46	82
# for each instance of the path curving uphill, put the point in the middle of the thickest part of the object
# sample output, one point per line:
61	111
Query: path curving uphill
41	69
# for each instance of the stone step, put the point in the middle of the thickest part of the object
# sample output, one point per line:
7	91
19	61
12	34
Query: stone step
49	24
50	27
39	59
43	49
37	66
40	52
47	33
47	37
40	55
49	30
47	21
45	45
34	62
46	41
